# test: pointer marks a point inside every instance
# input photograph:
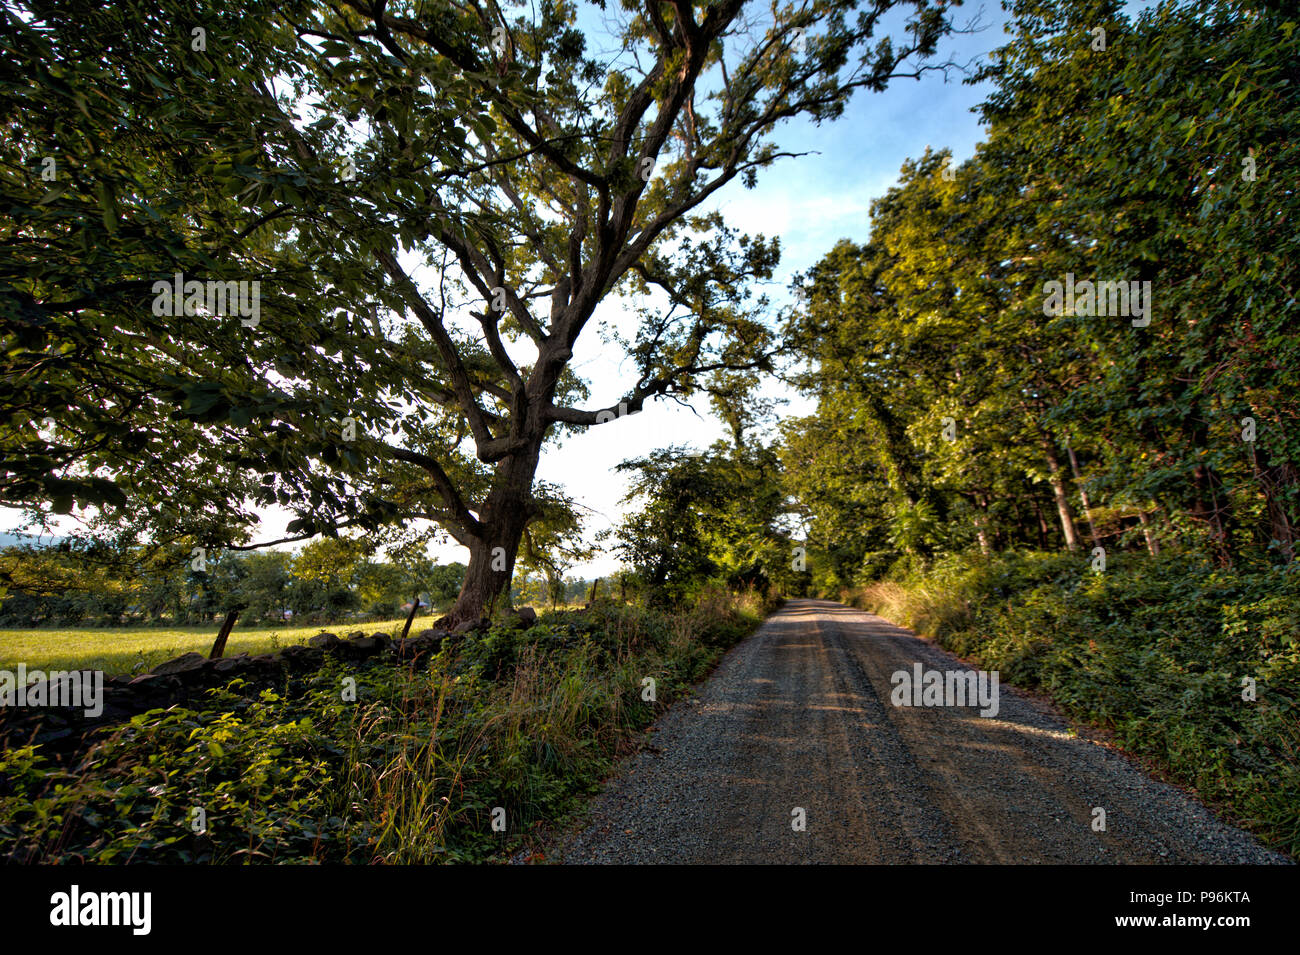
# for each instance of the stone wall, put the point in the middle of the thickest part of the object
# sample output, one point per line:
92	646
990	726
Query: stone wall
184	679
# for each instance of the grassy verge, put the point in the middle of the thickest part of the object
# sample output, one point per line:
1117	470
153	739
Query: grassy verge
516	728
1154	650
124	650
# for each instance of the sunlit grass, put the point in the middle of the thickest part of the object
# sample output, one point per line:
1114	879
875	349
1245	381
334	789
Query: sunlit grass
126	649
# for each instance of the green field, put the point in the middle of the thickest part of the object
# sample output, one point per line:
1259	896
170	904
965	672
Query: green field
136	649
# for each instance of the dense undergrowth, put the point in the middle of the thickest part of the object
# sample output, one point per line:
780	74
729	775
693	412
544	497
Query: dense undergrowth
414	771
1155	650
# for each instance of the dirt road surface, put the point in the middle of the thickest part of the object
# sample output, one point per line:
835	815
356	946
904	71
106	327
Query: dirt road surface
799	717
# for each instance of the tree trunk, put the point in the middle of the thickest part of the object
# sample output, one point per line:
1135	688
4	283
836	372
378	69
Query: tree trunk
981	523
491	566
1274	480
415	605
1083	497
1062	498
492	550
1210	505
1043	529
219	645
1210	510
1153	545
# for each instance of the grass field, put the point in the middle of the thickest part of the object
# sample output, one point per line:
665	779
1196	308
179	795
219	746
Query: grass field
123	649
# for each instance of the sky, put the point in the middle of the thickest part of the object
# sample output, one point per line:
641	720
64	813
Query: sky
810	202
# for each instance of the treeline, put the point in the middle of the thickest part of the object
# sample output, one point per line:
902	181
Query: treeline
1086	335
1056	404
328	580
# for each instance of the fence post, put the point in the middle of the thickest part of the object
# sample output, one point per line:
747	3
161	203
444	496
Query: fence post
219	647
415	605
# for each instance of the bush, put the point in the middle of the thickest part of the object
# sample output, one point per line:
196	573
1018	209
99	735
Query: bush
382	610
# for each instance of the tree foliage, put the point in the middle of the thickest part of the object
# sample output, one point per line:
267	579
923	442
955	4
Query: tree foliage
435	197
957	407
715	516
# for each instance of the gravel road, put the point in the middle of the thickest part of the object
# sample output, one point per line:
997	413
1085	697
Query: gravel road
799	716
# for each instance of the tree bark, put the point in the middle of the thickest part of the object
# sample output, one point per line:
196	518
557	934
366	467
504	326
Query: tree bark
1062	498
219	646
1153	545
494	545
1083	497
1043	529
1209	504
1274	480
981	524
1210	510
415	605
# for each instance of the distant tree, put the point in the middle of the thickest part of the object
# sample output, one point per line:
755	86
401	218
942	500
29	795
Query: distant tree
263	589
718	515
443	583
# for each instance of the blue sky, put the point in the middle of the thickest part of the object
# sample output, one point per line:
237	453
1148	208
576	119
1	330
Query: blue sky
811	202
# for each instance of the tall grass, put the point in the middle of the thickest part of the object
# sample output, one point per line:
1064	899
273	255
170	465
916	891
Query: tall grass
529	744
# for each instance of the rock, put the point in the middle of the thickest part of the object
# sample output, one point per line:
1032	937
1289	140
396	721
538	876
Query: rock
187	663
70	690
232	665
147	681
356	634
324	641
264	665
53	736
301	657
470	625
120	704
366	646
153	690
427	641
118	696
524	617
115	714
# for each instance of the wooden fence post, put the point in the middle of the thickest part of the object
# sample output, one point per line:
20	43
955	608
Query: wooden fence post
219	647
415	605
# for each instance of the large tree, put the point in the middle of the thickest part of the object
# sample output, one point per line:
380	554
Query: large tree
438	196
